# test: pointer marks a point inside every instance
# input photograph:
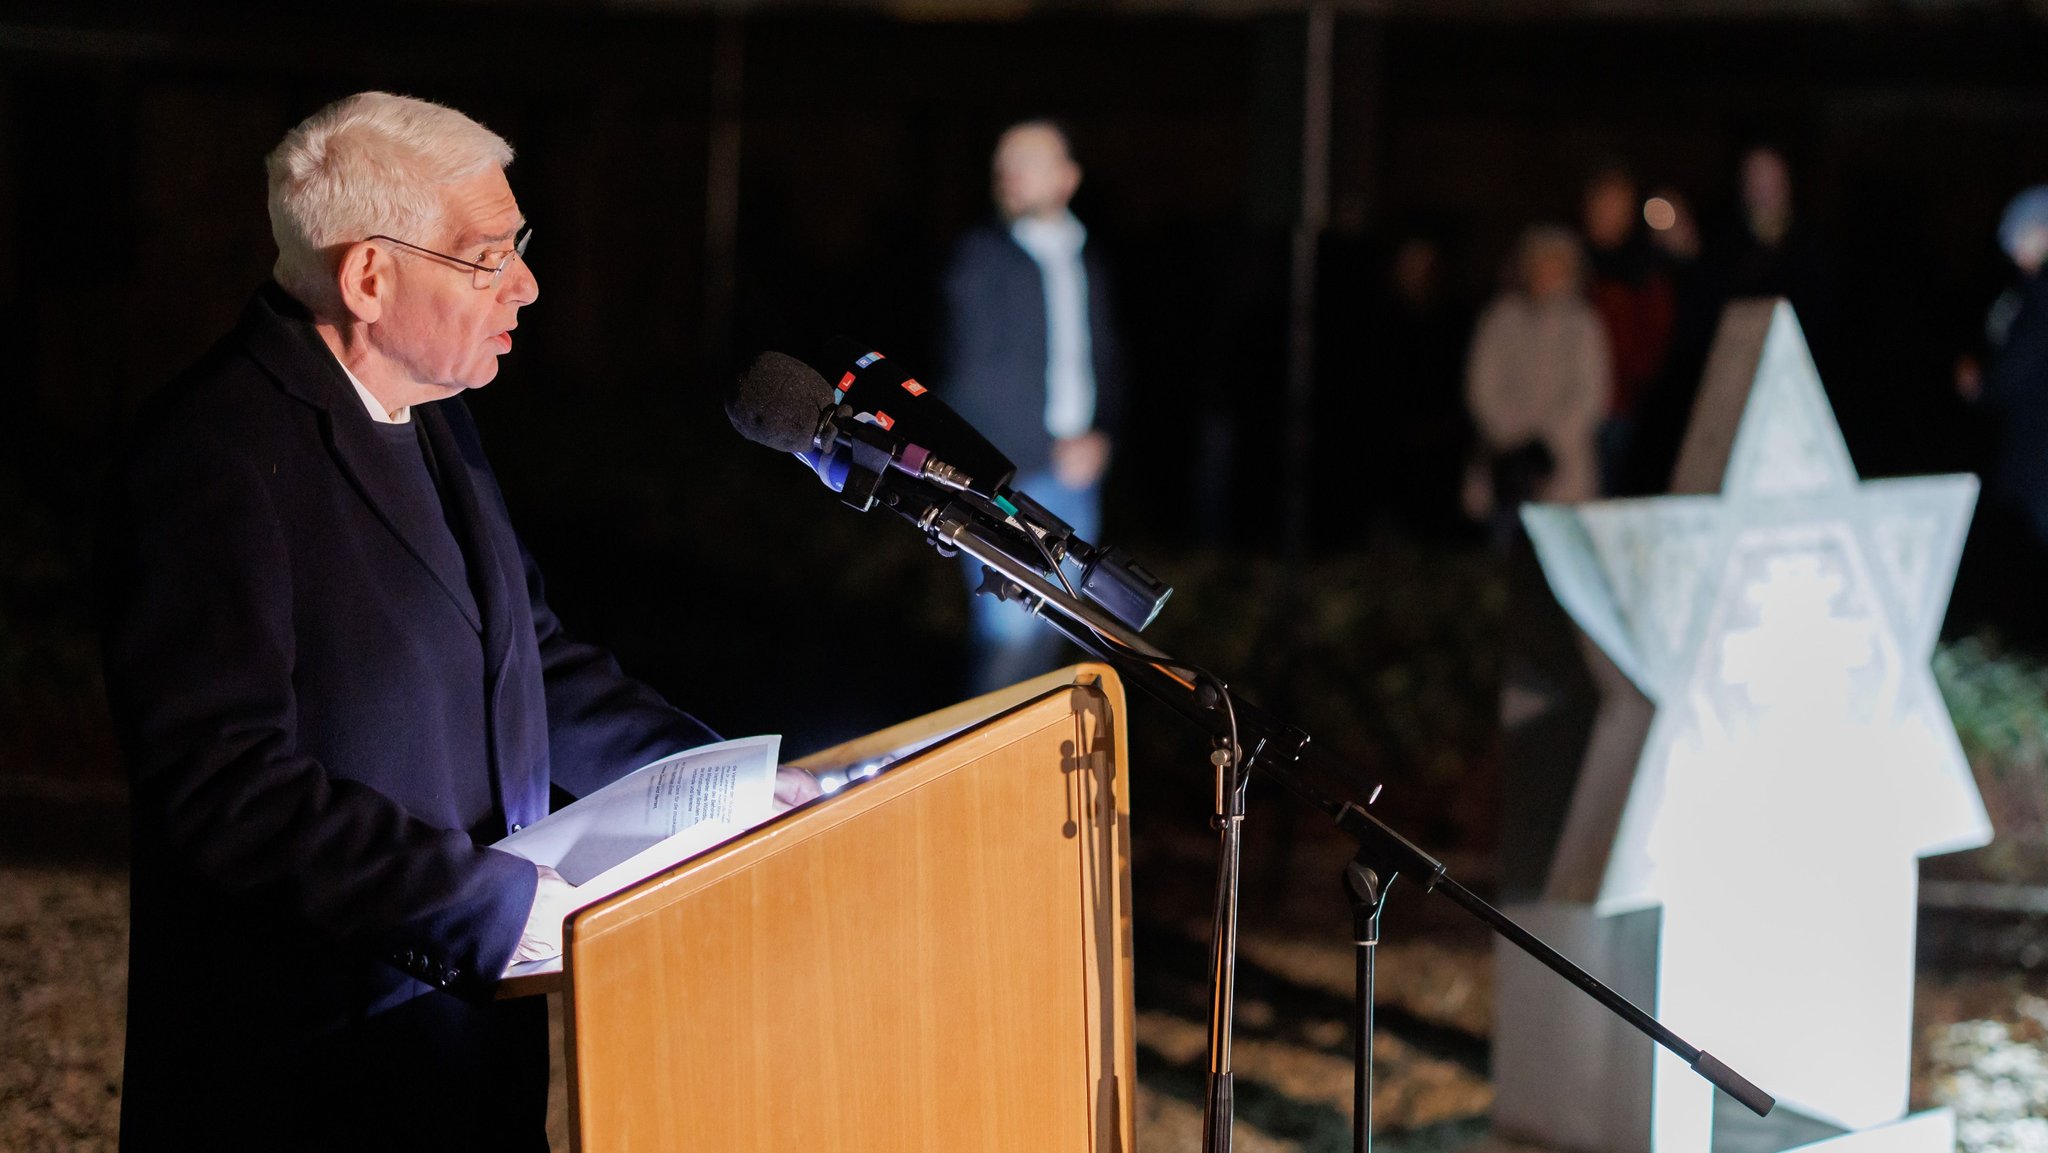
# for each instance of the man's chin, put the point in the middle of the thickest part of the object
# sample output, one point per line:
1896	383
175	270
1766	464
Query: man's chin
485	374
462	385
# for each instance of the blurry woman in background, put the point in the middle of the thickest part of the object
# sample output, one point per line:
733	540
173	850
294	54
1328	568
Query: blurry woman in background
1537	384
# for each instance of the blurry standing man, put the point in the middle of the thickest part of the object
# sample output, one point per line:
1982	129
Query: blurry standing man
337	680
1775	251
1031	359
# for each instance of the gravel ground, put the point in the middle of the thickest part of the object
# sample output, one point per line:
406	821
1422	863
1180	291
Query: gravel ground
1983	1036
64	953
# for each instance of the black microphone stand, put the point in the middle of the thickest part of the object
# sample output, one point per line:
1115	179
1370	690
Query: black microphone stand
1219	1101
1245	735
956	527
1368	895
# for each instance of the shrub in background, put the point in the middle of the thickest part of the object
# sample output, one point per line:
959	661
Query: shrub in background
1999	700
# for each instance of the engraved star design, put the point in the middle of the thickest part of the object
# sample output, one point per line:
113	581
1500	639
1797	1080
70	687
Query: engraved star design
1778	614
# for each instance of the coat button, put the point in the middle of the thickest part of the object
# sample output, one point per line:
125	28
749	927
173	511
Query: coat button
517	827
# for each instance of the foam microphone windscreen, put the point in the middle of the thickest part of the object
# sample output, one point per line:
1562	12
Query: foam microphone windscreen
779	402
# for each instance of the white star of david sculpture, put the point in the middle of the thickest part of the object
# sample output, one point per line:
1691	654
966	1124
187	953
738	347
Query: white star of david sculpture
1771	760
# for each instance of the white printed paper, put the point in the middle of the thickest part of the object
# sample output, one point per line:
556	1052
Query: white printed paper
655	816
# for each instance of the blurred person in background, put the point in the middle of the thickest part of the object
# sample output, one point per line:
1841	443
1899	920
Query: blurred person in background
1666	408
1416	334
1536	384
1774	253
1628	286
2006	559
2023	237
1031	359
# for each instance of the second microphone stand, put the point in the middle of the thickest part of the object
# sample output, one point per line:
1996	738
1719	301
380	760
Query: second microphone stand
1242	736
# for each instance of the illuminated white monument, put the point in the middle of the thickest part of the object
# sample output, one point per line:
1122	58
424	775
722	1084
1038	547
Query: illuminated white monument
1771	760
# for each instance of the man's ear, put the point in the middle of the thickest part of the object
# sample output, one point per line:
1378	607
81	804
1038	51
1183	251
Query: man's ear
363	281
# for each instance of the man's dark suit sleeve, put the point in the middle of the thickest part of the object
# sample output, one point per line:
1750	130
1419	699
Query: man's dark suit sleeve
966	310
993	369
200	649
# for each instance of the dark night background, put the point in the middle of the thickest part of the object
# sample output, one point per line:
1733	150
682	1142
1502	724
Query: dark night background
132	229
710	180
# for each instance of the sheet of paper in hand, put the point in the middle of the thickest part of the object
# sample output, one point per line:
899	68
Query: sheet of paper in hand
655	816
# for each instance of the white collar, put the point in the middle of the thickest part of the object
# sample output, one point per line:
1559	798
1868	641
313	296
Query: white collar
376	410
1062	235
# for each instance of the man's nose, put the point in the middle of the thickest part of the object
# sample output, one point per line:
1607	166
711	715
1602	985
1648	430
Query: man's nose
521	287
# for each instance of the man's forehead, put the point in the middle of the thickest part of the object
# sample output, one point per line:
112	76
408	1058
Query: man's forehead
482	208
501	226
1032	142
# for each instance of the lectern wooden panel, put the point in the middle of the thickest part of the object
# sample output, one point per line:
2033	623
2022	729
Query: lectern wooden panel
935	958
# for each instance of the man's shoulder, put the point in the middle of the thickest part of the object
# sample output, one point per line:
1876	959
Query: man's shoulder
231	389
987	231
985	241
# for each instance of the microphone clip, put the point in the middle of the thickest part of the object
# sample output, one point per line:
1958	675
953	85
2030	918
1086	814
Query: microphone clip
869	450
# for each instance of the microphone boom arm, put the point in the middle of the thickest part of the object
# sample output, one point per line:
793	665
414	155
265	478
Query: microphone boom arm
1284	753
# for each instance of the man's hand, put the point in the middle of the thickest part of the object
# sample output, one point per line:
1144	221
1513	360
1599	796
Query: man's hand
1080	461
553	900
793	787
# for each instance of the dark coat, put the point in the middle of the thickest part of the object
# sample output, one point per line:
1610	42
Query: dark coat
2016	385
323	735
995	354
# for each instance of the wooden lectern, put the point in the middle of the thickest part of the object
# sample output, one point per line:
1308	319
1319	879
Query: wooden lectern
936	958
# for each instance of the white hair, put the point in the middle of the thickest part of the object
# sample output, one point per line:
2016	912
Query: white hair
366	164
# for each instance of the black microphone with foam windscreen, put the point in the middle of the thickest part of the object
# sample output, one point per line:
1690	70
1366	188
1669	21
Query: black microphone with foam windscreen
783	403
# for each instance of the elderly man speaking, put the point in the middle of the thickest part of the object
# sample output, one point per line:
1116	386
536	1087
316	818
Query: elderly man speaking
337	680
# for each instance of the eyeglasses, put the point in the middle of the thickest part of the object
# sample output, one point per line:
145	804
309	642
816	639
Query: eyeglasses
482	274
